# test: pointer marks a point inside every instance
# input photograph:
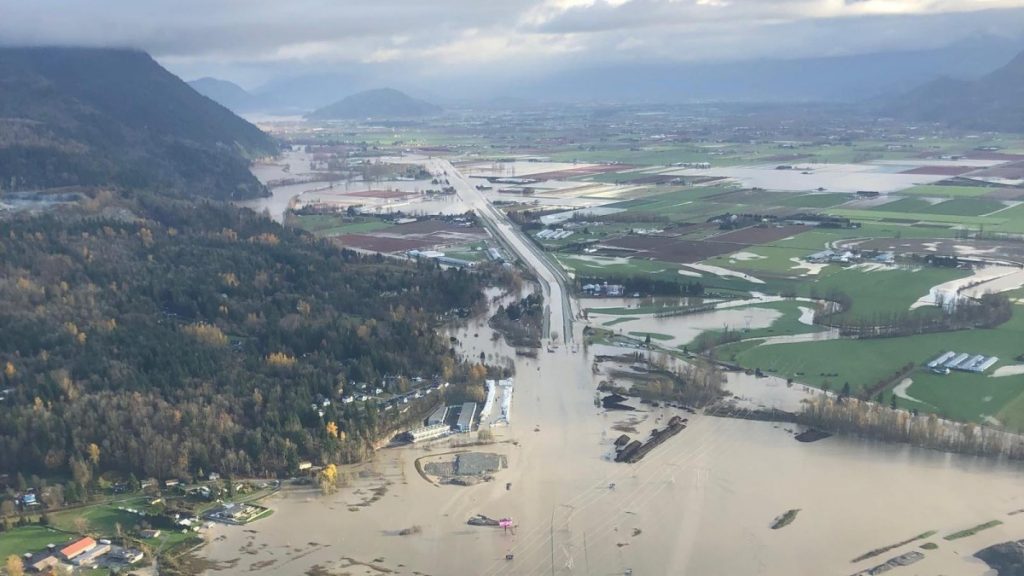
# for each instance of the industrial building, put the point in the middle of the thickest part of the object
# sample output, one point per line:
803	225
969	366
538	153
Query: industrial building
438	416
431	432
466	416
963	361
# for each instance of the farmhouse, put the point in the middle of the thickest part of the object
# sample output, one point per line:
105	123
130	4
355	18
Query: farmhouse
89	558
77	548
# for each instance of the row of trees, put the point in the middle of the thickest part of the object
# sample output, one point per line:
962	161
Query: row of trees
989	311
873	420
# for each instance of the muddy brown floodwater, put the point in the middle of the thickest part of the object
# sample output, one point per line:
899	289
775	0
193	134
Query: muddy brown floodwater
701	503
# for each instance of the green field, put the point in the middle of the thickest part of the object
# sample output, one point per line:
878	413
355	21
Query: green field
787	324
680	200
600	268
862	363
815	200
954	207
101	519
774	260
30	539
885	291
937	191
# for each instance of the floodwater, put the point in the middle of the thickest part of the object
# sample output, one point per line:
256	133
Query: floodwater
701	503
683	329
985	279
811	177
297	164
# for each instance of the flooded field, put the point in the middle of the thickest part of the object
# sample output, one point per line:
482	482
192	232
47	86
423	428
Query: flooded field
812	177
702	503
407	196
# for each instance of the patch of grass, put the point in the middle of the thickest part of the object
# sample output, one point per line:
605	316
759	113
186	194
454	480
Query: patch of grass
667	203
884	549
653	335
774	260
939	191
973	531
826	200
959	395
929	546
884	291
25	539
909	204
786	519
615	321
101	519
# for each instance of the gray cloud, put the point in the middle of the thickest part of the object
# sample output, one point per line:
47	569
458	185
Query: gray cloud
257	39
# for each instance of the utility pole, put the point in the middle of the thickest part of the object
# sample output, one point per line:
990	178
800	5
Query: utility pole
552	541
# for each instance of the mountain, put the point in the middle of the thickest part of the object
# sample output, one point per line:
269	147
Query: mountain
822	79
102	117
993	102
227	94
380	103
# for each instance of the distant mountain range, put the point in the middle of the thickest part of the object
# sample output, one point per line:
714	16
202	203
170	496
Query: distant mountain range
380	103
227	94
824	79
993	102
99	117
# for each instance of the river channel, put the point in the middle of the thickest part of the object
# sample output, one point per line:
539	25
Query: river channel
701	503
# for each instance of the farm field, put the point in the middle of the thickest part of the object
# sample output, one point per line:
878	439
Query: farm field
885	291
944	191
954	207
23	539
334	225
864	362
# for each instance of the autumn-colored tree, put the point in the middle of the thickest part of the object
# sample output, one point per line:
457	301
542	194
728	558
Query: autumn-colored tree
332	429
10	370
206	333
14	566
328	479
94	454
280	360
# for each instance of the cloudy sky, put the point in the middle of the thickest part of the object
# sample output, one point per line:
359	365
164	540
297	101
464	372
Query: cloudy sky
252	41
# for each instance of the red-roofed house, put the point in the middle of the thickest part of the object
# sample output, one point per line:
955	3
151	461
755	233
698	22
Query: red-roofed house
77	547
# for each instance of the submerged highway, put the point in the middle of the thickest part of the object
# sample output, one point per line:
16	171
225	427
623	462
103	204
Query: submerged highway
552	279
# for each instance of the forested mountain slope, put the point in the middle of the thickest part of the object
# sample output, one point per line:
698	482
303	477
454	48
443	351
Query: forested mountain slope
198	336
993	102
96	117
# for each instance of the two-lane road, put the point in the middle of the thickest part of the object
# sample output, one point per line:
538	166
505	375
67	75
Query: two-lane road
552	280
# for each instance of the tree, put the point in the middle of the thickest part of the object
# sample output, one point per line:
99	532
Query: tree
14	566
94	454
328	479
892	401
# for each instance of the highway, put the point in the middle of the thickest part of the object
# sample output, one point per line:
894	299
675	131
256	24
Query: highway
552	280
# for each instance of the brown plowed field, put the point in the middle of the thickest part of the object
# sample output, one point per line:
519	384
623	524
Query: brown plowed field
581	171
671	249
758	235
681	250
381	243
